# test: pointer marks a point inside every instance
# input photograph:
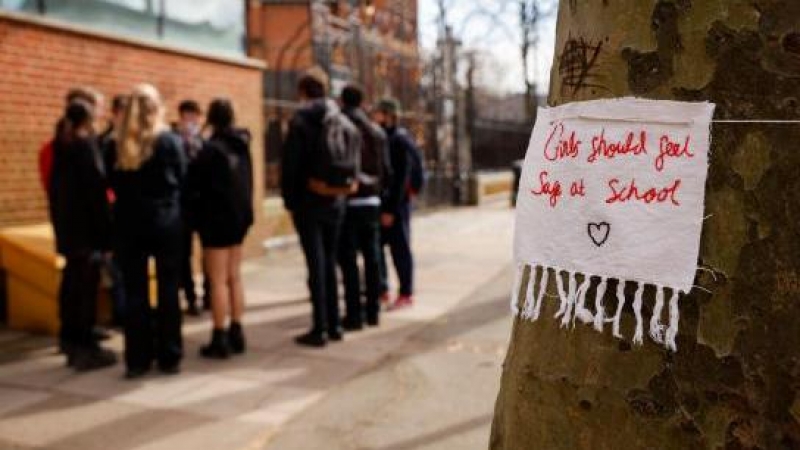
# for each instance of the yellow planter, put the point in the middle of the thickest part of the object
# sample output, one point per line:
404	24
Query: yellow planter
33	275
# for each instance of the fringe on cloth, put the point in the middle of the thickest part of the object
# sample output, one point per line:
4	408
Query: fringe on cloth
573	296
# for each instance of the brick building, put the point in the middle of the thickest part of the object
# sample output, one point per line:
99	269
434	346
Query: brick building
185	49
372	42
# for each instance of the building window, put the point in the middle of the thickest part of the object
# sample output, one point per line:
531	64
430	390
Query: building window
211	25
215	26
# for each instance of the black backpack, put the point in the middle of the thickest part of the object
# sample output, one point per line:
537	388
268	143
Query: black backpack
338	154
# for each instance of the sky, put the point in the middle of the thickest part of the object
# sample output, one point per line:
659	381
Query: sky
495	36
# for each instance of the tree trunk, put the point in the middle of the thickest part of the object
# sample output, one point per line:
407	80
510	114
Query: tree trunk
734	381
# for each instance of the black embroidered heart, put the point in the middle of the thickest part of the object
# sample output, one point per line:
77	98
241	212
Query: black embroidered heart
599	232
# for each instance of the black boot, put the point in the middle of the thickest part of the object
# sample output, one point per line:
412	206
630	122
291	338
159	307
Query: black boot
85	359
312	339
236	339
373	320
352	323
218	348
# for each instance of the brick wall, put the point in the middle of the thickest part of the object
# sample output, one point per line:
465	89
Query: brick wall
40	61
280	34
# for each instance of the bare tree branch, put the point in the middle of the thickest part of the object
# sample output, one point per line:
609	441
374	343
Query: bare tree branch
496	18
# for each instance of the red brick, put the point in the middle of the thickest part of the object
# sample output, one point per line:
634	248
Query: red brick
40	63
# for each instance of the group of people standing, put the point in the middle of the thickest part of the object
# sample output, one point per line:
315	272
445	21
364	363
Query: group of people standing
135	192
348	180
129	189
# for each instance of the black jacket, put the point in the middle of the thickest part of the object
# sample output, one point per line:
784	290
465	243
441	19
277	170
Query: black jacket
79	205
149	199
220	185
400	146
303	138
380	143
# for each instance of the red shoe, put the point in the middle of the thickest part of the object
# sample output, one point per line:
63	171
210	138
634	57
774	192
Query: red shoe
403	301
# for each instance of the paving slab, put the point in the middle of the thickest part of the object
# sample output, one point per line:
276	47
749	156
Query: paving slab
436	391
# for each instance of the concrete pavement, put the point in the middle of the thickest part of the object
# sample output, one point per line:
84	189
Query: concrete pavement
246	402
434	392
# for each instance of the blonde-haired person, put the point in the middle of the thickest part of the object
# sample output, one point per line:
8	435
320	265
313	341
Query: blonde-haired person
221	193
148	170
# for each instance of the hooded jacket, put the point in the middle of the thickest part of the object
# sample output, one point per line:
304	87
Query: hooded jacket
305	133
220	185
79	208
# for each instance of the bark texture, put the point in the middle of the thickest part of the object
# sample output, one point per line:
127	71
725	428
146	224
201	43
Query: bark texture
734	382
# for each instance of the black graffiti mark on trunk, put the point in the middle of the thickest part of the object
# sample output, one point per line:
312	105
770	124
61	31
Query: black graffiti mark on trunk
576	64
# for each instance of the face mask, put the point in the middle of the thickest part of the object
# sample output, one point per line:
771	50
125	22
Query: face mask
193	128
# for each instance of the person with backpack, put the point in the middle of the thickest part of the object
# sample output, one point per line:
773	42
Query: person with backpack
220	191
320	160
148	176
407	181
81	219
361	229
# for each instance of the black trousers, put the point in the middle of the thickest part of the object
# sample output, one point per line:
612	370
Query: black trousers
77	300
116	290
152	334
398	238
361	234
318	230
187	275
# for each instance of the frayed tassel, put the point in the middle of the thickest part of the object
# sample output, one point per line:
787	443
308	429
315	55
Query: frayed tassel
656	327
562	295
572	294
674	318
638	337
581	313
515	288
530	301
599	308
542	291
620	304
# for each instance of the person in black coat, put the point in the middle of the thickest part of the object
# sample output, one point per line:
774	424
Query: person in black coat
148	175
221	197
317	209
81	221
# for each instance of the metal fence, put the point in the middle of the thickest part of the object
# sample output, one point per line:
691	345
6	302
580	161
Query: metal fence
496	144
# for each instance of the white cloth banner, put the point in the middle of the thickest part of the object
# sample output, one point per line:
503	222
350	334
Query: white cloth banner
613	189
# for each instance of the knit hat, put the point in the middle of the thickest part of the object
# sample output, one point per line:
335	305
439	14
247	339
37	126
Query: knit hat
389	106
